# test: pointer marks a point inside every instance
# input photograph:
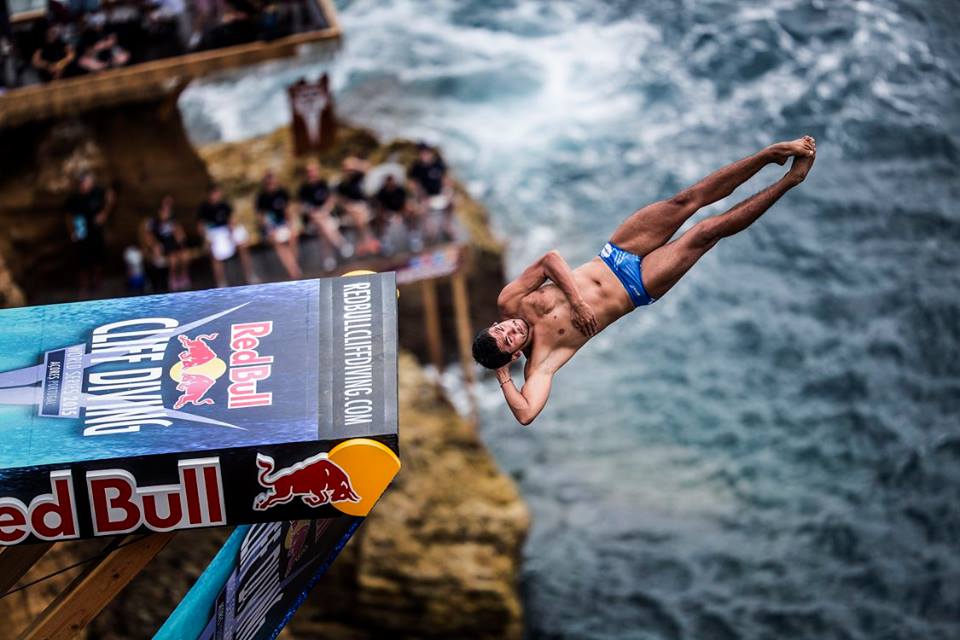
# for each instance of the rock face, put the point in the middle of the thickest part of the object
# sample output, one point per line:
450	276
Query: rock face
439	556
142	150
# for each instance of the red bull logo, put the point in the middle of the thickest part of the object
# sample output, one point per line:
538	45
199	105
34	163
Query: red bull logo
197	371
316	481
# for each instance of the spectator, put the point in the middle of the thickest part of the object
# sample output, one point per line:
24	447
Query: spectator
53	60
224	236
434	190
428	173
236	26
273	211
99	49
170	18
353	201
87	212
316	206
133	258
166	243
5	32
393	207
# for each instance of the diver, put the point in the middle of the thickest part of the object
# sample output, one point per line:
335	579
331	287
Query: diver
548	323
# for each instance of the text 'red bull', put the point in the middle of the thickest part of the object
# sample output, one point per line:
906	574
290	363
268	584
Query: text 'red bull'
247	366
316	481
118	504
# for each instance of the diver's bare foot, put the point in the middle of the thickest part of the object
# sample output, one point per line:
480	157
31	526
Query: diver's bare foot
805	146
800	167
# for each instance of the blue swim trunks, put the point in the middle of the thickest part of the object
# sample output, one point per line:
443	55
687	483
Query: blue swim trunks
626	266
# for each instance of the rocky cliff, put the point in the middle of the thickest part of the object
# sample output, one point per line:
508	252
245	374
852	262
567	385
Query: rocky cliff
239	167
140	150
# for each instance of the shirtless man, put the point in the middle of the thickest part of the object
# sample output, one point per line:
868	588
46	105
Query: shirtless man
549	323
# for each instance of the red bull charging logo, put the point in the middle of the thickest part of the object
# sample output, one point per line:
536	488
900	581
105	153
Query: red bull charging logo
199	367
197	371
316	481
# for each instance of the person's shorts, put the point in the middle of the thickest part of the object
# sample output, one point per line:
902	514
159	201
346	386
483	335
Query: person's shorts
627	267
170	245
224	240
89	251
281	233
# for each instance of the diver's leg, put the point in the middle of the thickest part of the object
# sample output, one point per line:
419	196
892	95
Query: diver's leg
663	267
653	225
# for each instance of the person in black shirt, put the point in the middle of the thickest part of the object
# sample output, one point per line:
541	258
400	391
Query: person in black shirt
273	211
353	201
316	206
434	190
53	60
87	212
98	47
391	202
166	245
223	236
428	173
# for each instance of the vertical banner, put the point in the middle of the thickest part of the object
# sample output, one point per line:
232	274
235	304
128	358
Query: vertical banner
313	120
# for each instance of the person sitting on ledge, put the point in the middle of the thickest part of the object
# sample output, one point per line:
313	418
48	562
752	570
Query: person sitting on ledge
549	323
55	58
224	236
167	244
316	205
353	201
276	224
99	49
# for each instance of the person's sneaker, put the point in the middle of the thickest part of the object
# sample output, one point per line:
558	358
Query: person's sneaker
329	263
346	250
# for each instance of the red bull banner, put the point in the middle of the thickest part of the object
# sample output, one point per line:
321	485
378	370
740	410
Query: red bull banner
194	409
264	571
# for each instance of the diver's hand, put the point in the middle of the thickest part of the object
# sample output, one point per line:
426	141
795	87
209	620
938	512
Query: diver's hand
584	319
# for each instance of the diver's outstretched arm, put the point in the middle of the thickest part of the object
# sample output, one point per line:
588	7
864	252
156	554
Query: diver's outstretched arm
526	403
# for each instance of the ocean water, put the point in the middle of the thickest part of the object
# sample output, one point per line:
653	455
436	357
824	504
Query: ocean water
773	449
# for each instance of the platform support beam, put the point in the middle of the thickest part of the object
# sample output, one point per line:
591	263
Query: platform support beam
16	561
93	589
431	316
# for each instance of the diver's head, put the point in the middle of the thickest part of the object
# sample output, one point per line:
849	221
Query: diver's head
501	343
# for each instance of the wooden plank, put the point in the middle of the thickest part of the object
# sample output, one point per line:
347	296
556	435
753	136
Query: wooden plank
461	309
16	561
431	318
93	589
147	80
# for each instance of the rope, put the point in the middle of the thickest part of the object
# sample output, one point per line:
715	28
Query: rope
110	548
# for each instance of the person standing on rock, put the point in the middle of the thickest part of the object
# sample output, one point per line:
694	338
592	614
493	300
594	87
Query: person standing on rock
88	209
549	323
